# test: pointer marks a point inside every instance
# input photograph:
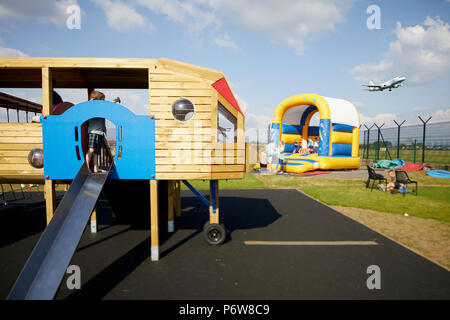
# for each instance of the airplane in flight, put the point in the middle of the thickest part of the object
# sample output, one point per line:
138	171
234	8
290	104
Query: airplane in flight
391	84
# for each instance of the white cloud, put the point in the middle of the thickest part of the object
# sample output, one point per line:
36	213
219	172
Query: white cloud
388	118
420	52
379	119
45	11
253	121
289	22
196	15
375	72
10	52
441	115
358	104
226	42
120	16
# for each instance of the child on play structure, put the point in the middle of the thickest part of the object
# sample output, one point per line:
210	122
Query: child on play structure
96	134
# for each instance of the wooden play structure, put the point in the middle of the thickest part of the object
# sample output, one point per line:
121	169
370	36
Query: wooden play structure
194	129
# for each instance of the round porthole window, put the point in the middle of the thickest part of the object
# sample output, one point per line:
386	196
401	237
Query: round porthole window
183	109
36	158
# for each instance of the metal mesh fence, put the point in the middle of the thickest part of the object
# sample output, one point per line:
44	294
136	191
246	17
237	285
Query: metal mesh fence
419	143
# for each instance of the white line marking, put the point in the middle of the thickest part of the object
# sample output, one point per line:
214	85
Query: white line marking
310	243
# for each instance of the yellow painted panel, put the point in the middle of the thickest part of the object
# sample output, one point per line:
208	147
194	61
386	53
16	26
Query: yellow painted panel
341	137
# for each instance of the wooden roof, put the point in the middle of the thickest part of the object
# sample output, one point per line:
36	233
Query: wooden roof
16	103
113	73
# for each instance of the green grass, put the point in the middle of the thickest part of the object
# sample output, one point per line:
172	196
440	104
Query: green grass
249	182
431	202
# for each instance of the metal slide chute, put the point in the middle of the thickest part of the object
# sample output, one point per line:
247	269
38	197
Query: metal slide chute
45	268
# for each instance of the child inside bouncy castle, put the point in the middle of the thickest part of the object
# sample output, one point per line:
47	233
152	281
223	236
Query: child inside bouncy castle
296	146
96	134
304	146
310	145
316	145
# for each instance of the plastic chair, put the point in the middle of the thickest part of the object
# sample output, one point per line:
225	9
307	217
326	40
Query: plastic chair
402	177
375	177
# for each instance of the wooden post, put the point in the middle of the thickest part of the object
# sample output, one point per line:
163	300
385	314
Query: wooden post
247	163
94	220
154	220
47	103
47	91
214	196
49	192
177	200
170	205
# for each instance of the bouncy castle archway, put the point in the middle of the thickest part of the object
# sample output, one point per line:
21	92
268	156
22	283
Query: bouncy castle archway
338	132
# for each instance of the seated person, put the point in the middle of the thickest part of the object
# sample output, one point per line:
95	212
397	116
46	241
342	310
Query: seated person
392	184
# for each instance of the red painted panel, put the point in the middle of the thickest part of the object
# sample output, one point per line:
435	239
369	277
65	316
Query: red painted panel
223	88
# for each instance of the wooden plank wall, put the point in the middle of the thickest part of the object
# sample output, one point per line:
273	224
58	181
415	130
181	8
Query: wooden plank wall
188	150
16	141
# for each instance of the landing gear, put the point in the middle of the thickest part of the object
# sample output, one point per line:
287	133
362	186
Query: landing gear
214	234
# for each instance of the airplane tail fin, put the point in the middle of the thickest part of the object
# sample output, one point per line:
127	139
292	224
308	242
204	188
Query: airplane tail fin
371	83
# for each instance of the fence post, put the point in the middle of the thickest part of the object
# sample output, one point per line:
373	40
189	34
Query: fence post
398	137
368	139
423	140
415	144
378	141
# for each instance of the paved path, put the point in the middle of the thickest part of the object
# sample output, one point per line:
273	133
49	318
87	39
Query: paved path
308	256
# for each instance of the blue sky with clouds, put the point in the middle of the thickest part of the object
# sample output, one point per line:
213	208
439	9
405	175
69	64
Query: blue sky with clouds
268	50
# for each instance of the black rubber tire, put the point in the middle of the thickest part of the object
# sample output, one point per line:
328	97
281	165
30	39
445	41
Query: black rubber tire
214	234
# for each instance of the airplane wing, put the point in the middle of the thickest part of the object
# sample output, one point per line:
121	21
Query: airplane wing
372	86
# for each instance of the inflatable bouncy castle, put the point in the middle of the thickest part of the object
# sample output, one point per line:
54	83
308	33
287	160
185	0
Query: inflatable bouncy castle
337	134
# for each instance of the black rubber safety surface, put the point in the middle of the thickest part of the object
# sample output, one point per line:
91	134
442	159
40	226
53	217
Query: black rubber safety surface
115	262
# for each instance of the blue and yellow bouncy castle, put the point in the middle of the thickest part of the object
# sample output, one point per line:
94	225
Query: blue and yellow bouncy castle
337	133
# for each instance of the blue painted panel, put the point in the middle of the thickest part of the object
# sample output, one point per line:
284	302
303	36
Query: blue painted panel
274	134
305	160
324	137
291	129
138	141
275	126
342	127
313	131
306	114
341	149
288	147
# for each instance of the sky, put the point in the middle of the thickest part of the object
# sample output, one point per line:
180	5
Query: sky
268	50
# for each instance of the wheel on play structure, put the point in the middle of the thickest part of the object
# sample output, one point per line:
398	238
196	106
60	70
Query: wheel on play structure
214	234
